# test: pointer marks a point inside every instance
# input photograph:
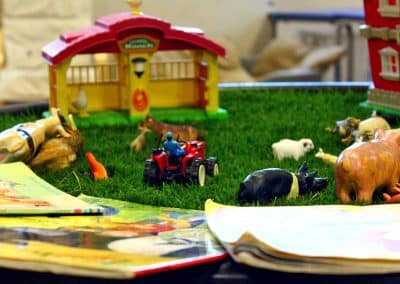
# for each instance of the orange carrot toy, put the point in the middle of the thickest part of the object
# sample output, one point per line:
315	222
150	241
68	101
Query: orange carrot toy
97	168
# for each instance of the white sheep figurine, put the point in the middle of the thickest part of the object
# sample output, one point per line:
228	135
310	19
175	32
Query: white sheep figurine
287	148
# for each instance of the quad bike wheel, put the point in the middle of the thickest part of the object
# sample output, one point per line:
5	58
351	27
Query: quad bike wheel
212	166
151	174
197	172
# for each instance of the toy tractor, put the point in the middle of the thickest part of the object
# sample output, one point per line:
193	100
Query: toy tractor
191	168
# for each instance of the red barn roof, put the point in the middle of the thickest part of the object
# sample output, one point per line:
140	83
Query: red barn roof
107	31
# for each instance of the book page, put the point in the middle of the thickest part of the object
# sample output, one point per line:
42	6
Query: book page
129	240
327	231
23	192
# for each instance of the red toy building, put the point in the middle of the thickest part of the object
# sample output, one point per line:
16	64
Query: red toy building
382	22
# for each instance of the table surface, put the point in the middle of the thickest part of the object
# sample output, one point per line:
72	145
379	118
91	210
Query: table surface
226	272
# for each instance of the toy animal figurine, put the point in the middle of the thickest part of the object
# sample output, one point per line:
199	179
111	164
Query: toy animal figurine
59	152
98	171
345	129
353	129
182	132
81	103
394	130
327	158
268	184
368	126
139	143
21	142
365	167
392	199
287	148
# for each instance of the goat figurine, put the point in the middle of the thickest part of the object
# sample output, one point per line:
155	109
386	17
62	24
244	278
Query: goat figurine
183	132
139	143
325	157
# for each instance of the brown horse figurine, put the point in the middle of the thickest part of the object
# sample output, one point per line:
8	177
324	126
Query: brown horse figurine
22	142
59	152
183	132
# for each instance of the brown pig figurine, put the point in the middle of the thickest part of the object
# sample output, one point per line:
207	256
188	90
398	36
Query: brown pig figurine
364	167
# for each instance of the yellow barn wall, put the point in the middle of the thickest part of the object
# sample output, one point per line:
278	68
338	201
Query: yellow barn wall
123	80
173	93
212	93
100	97
61	90
138	101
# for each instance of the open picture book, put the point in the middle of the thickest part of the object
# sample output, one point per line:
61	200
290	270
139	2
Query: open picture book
129	240
22	192
326	239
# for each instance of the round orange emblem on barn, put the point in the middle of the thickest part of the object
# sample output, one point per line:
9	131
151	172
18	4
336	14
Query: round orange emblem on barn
140	99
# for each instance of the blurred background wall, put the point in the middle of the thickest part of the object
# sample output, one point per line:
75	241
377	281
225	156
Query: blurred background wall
246	25
29	25
244	21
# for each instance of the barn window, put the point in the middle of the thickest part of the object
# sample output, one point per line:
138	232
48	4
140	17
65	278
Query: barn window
389	8
172	65
85	69
390	64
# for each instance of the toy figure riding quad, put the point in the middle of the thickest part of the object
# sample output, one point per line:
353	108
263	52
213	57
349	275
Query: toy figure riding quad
192	167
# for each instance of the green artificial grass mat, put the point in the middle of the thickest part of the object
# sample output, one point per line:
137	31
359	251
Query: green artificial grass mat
242	144
121	118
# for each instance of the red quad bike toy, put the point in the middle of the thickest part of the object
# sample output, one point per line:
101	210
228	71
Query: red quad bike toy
191	168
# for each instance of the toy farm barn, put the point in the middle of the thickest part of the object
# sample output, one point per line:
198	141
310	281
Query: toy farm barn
132	80
382	20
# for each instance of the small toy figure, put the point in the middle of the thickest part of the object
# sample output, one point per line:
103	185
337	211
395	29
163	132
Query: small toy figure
392	199
268	184
59	152
287	148
21	142
364	167
395	130
191	168
98	171
81	103
353	129
345	129
184	132
139	142
368	126
172	147
327	158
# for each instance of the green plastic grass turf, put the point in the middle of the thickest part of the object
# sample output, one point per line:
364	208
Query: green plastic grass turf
242	144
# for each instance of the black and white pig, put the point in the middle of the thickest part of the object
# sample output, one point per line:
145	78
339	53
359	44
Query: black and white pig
267	184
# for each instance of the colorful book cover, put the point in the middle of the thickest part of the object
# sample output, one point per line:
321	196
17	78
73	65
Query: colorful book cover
326	239
129	240
23	192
